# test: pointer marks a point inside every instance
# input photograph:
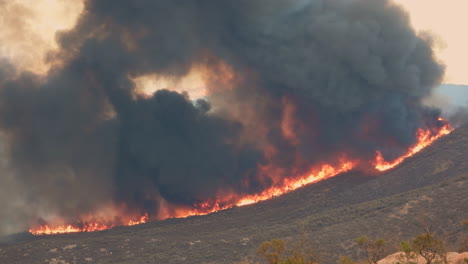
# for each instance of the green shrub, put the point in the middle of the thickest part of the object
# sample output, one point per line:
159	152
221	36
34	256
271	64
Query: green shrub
276	252
374	250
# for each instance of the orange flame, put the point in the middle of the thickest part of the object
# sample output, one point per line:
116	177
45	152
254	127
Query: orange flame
63	229
227	200
425	138
86	227
288	185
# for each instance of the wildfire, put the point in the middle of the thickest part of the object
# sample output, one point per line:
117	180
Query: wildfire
84	227
425	138
63	229
324	171
288	185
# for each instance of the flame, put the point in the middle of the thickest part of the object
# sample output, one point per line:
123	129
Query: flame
63	229
228	199
85	227
425	138
207	207
143	219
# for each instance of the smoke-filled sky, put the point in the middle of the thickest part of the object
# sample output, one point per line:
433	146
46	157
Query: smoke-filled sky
141	104
445	20
28	30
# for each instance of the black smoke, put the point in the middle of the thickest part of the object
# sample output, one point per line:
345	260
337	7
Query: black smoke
353	73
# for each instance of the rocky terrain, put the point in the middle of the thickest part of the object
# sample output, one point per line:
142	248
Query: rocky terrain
452	258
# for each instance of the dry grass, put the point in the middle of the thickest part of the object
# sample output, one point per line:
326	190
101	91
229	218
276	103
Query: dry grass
331	214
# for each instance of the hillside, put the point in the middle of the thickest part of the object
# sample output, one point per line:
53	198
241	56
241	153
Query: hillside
428	188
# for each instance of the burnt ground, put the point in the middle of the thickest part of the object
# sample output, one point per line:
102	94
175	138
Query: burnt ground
429	189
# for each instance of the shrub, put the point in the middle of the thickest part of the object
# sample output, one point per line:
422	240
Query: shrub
374	250
276	252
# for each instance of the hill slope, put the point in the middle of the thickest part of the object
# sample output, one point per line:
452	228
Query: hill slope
430	187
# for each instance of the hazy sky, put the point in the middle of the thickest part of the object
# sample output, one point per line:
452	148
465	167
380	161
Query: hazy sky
447	19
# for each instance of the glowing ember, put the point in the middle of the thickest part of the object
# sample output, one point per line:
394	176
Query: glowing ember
425	138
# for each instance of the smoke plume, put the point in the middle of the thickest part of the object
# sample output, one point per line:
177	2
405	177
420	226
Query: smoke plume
291	84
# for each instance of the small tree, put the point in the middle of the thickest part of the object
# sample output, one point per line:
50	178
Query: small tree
430	248
345	260
464	242
299	257
408	255
375	250
275	252
272	250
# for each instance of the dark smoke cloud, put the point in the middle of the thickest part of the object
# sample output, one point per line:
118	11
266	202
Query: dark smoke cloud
353	73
